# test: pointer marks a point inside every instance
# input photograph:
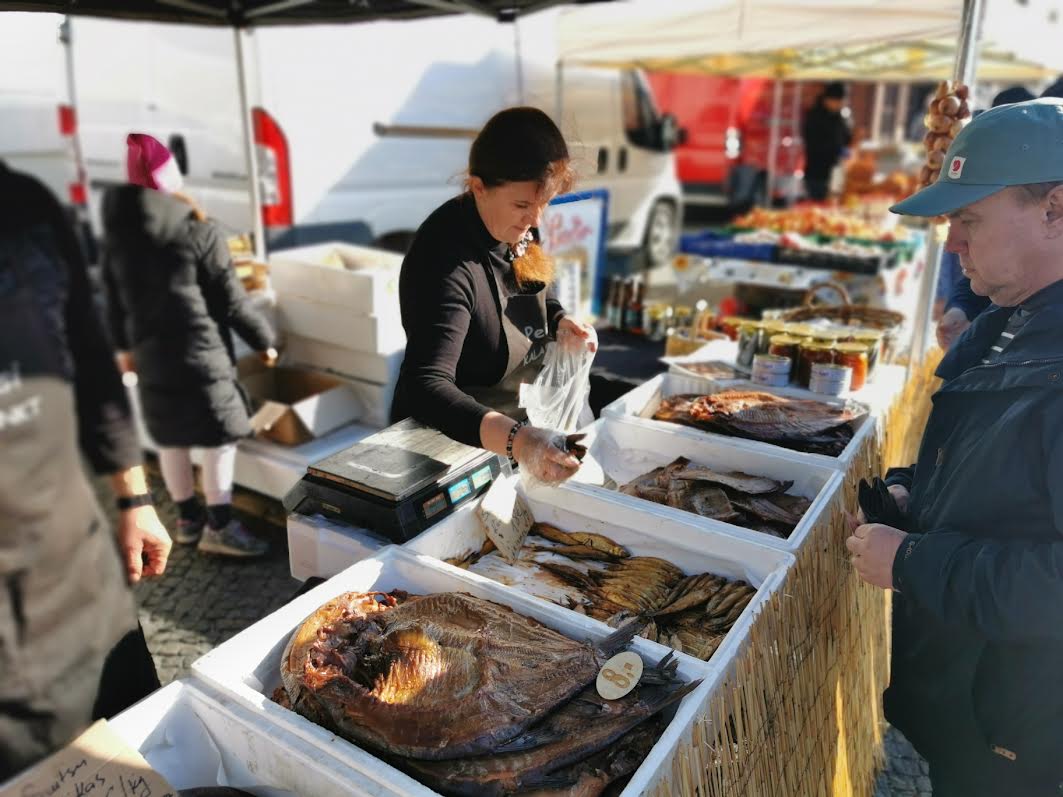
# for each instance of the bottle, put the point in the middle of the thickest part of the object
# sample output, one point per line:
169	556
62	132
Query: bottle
621	306
612	304
633	309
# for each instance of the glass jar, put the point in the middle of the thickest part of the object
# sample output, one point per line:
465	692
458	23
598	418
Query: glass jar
855	356
785	346
748	337
873	340
811	353
768	330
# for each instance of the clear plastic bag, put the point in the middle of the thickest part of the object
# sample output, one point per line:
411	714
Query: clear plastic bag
557	399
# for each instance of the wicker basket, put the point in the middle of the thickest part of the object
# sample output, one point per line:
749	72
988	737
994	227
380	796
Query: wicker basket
846	313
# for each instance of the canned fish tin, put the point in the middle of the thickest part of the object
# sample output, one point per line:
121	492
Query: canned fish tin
771	370
830	379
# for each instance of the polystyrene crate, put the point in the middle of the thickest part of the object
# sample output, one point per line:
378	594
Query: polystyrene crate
321	548
194	736
689	547
361	279
247	667
628	450
639	405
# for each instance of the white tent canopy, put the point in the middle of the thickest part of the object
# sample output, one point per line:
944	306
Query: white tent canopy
815	39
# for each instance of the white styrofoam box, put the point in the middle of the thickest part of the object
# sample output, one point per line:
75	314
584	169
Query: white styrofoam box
321	548
195	736
247	667
627	450
639	405
340	325
693	549
362	280
380	368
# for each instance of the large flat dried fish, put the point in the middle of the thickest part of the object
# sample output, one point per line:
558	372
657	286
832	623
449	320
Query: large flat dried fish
436	677
751	485
582	727
710	502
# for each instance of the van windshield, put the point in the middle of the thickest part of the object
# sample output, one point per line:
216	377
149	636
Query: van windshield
639	112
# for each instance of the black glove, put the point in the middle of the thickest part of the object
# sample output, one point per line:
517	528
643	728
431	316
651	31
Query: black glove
879	506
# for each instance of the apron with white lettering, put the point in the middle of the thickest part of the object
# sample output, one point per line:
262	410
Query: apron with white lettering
64	600
524	326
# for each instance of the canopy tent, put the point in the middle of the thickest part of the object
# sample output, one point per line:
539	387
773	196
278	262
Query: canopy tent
881	40
242	14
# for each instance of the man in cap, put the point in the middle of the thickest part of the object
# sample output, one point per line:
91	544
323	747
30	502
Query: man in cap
826	133
977	666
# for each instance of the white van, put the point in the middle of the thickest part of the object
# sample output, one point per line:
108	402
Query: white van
363	130
38	123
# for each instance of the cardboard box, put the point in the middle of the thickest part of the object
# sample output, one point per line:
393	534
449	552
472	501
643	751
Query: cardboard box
294	405
96	761
360	279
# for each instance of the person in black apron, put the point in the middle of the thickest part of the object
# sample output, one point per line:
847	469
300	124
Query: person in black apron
71	650
474	291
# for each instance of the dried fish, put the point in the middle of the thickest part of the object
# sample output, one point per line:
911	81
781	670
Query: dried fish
742	482
697	591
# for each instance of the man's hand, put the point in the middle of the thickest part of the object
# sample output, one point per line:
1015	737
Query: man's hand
269	357
952	324
873	548
125	361
580	330
144	542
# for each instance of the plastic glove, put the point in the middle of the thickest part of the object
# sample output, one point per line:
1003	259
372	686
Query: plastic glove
571	333
541	454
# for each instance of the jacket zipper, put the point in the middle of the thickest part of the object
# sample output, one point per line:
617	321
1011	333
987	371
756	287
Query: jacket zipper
984	366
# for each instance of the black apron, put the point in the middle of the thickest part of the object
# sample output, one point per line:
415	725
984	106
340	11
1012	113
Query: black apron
64	601
524	326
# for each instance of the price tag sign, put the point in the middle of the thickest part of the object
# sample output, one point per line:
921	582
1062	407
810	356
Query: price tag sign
505	517
619	675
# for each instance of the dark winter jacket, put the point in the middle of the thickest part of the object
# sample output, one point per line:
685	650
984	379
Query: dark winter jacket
826	135
978	617
174	301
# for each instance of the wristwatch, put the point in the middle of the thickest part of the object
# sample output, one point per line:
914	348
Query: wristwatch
126	502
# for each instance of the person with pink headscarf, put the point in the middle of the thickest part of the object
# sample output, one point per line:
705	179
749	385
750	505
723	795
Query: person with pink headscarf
174	302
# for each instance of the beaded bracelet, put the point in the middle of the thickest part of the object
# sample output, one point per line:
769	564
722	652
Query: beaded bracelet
510	438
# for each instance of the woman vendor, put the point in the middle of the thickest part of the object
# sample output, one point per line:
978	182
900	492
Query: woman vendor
474	294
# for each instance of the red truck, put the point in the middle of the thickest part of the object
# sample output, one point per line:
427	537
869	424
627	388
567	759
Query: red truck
728	134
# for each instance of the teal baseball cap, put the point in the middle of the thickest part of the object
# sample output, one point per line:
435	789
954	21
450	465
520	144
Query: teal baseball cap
1009	145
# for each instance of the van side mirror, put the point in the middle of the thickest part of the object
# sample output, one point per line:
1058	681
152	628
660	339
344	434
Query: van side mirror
682	136
669	133
177	148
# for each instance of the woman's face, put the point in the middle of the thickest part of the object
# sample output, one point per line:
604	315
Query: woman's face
510	209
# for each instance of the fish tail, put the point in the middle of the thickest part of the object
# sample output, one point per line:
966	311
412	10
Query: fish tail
621	638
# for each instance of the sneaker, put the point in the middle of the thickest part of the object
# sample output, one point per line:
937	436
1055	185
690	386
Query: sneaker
232	540
188	532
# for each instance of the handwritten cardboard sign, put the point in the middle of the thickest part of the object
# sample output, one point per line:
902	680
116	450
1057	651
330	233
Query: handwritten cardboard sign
96	764
505	517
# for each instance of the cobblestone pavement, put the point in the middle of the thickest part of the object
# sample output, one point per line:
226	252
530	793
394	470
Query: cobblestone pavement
204	600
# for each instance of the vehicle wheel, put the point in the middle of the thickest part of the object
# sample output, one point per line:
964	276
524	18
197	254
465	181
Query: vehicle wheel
662	230
395	242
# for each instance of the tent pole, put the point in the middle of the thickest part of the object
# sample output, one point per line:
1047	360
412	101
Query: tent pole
966	67
877	111
900	115
795	142
518	62
250	150
773	142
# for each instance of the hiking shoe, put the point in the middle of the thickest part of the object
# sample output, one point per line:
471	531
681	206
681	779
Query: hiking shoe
188	532
232	540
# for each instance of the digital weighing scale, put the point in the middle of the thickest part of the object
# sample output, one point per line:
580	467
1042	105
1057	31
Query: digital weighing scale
397	482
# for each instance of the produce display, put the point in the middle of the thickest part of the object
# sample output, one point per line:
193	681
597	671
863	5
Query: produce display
946	115
470	697
814	427
754	502
811	220
594	575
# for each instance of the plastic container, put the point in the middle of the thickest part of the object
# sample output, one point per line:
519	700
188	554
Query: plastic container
247	667
627	450
687	545
772	370
830	380
195	736
639	405
321	548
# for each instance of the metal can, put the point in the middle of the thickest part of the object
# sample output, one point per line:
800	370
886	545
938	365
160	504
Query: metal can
830	379
771	370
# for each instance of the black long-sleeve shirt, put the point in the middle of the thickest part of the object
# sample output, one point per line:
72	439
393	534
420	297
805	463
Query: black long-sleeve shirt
452	314
107	436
